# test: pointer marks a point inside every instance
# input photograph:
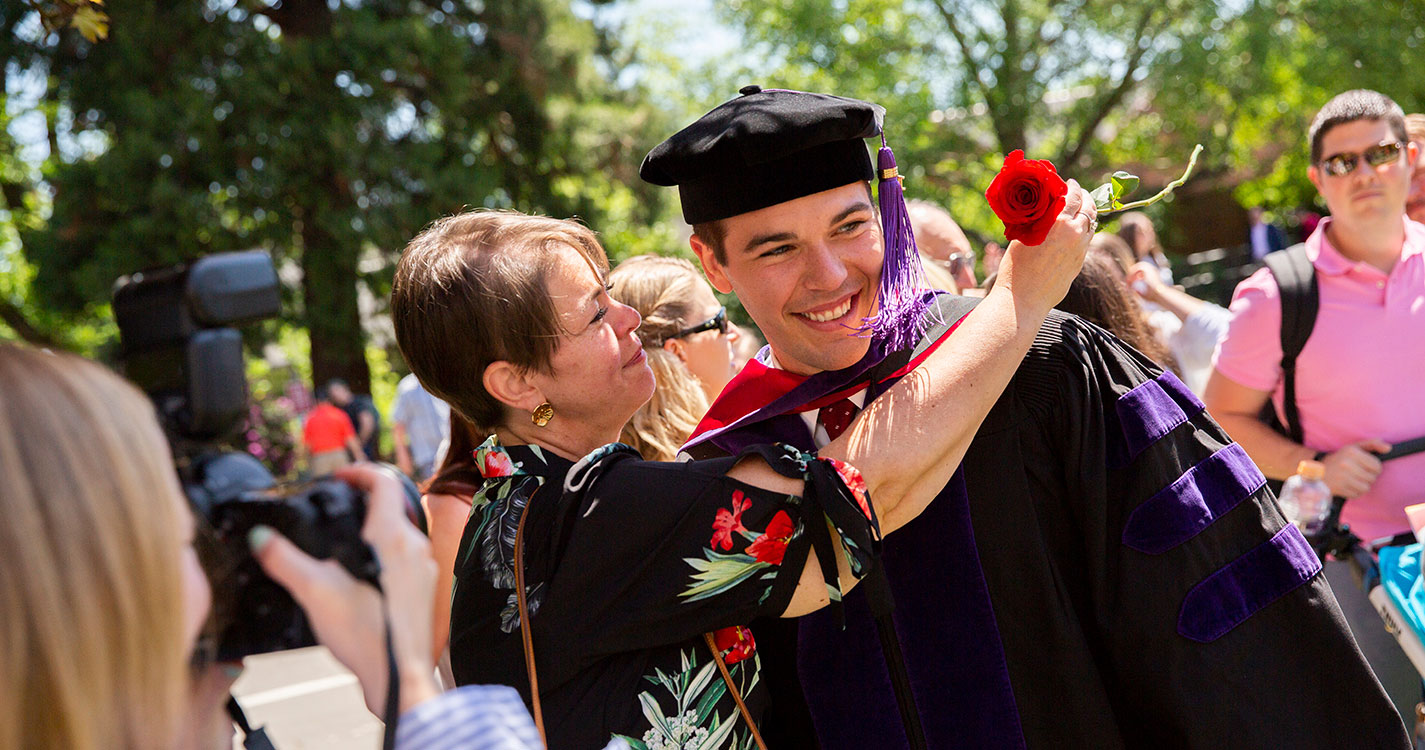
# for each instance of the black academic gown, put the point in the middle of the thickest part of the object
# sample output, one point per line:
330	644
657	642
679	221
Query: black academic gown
1107	569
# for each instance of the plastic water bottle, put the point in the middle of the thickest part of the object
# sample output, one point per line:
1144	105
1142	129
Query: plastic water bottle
1305	499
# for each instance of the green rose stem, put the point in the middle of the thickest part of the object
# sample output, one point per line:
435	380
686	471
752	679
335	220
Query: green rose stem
1108	198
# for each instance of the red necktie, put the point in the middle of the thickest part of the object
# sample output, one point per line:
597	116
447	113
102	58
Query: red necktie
836	417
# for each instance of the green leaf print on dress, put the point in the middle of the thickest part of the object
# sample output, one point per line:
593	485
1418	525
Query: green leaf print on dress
501	501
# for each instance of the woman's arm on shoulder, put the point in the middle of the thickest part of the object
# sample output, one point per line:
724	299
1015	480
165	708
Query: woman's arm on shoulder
811	593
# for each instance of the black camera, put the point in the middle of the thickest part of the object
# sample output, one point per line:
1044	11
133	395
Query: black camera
180	345
252	614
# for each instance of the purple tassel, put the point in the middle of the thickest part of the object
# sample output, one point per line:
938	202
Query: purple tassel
902	293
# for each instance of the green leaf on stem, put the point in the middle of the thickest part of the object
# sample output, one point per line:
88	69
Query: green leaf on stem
1108	198
1103	196
1123	184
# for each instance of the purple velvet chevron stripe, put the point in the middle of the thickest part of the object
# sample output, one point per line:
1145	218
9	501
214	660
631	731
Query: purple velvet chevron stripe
1153	409
1267	572
1187	506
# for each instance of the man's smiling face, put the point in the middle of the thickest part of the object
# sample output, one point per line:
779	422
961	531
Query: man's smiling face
807	271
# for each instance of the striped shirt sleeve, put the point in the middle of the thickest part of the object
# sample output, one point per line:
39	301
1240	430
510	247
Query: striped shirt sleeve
474	717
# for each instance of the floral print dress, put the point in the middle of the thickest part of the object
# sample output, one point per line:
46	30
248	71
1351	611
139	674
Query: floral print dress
627	564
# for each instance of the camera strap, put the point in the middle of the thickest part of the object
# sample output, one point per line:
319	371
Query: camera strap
252	739
393	684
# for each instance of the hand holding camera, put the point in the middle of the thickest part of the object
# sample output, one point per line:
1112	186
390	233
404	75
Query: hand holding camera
346	614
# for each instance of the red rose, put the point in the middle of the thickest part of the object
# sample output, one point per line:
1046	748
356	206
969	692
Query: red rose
734	643
771	547
1027	195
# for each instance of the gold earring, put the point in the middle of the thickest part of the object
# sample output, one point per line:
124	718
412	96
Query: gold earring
542	414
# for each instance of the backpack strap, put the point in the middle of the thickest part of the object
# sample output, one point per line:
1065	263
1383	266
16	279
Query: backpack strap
1300	300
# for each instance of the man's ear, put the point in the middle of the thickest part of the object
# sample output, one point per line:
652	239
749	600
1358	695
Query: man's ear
511	386
717	275
1314	174
677	349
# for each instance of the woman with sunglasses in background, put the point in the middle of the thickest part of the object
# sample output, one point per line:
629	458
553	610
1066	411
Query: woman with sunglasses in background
689	344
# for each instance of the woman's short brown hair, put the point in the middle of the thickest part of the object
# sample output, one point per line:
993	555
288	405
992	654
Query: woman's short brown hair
471	290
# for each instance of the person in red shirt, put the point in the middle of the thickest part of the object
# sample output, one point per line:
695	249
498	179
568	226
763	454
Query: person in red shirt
329	438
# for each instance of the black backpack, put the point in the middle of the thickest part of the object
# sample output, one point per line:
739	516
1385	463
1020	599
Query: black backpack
1300	299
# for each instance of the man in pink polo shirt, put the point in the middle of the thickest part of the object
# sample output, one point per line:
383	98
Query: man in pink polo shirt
1360	380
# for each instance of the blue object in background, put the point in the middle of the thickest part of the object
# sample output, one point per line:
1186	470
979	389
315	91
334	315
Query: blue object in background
1400	575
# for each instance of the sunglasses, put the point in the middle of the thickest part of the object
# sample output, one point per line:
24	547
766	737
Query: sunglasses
717	322
1380	155
955	262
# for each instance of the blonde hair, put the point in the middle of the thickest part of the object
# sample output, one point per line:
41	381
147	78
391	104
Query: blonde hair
91	612
1116	248
938	276
1415	127
662	290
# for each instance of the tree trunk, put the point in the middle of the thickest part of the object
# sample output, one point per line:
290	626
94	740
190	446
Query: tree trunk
333	320
1012	114
329	275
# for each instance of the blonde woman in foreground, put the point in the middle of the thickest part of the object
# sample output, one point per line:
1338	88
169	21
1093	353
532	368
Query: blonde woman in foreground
102	597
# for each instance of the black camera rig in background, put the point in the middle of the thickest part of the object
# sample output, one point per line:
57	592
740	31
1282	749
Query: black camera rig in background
180	344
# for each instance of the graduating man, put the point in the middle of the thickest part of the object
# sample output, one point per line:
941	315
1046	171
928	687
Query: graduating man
1107	569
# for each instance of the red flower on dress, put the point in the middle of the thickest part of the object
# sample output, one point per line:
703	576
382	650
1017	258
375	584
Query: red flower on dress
495	463
1027	195
734	643
729	522
771	547
851	477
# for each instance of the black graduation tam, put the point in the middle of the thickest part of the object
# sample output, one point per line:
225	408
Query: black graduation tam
764	148
773	146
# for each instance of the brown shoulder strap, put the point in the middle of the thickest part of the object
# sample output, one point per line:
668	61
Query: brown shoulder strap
736	694
525	624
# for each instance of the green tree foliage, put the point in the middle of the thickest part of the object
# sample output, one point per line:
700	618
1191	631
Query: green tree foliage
965	83
85	16
326	132
1252	86
1092	85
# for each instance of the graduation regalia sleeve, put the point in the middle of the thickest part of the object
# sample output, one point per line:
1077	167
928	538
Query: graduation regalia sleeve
1153	578
1106	570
